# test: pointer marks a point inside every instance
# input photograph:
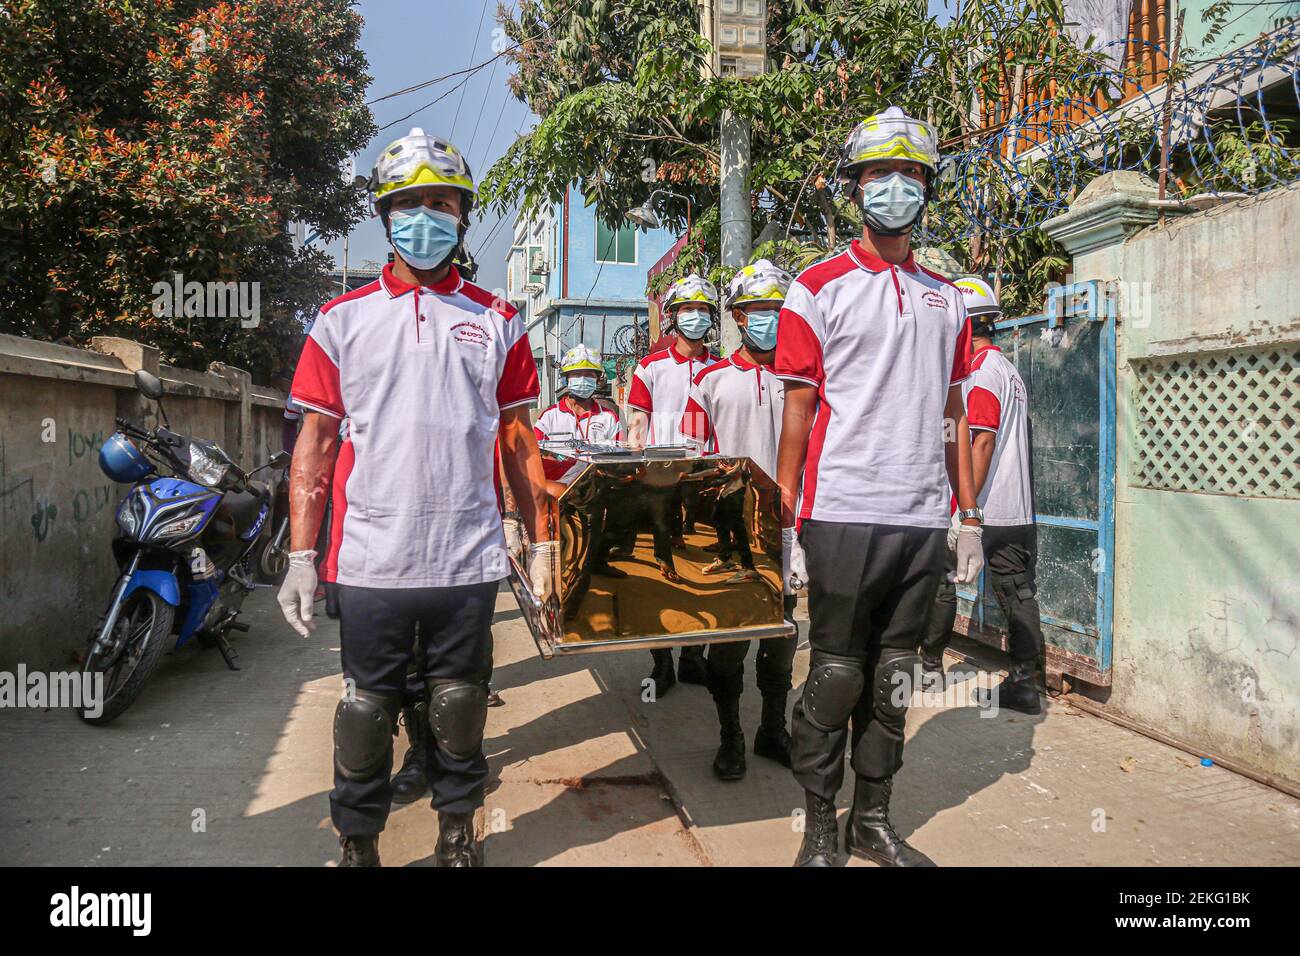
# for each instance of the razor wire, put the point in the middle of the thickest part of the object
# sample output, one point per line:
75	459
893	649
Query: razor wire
1027	171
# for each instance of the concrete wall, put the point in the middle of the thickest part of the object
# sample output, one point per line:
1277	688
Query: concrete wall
57	405
1207	594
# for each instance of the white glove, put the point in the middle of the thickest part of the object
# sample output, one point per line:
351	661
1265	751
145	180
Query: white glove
953	528
541	568
298	593
794	568
514	537
970	554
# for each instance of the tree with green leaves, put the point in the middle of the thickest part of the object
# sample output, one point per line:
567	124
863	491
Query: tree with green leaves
147	138
625	109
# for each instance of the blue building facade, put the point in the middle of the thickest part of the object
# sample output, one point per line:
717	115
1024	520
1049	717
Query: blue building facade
577	280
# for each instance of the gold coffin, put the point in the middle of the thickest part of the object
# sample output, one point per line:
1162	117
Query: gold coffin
622	514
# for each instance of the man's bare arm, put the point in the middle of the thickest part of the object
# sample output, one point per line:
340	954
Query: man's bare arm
981	452
956	451
638	423
522	462
309	478
796	426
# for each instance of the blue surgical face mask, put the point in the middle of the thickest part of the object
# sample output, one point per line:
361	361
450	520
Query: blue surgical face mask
892	203
760	329
423	237
694	324
581	386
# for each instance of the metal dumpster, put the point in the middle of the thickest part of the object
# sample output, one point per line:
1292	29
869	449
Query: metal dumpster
621	512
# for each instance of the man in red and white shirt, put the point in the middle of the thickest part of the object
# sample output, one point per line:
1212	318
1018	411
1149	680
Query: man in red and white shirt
997	408
735	409
661	386
581	416
873	350
429	370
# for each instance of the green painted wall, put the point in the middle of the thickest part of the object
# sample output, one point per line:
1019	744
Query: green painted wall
1207	590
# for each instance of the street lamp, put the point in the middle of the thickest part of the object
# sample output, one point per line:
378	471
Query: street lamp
644	215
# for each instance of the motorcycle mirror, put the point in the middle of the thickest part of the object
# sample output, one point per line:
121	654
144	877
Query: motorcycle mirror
148	384
280	460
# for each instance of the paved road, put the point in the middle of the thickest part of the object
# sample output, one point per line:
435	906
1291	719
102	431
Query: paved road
221	768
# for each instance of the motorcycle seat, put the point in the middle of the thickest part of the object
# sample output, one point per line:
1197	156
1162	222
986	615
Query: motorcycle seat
244	508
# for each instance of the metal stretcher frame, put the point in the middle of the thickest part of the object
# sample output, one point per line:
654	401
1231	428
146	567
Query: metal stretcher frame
618	495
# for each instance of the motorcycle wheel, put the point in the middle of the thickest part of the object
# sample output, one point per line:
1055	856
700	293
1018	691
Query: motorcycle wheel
148	620
272	563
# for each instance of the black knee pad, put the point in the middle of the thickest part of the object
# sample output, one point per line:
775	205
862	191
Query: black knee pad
457	715
832	690
895	679
363	732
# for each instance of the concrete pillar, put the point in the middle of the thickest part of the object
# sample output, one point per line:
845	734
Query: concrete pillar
736	224
131	405
240	443
1110	209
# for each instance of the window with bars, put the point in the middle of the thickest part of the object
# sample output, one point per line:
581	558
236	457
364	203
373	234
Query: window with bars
1219	422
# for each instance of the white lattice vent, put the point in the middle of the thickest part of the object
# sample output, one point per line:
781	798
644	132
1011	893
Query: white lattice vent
1220	423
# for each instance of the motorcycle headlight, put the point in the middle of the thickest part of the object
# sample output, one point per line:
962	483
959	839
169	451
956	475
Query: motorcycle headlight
127	519
177	528
206	468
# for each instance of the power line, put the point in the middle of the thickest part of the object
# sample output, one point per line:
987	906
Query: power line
474	136
495	229
473	46
476	67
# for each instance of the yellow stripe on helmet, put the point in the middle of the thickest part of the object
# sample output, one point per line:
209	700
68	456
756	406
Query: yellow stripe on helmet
425	175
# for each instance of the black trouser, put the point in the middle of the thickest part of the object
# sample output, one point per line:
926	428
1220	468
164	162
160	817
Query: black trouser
939	633
870	594
416	690
378	628
729	517
773	668
1010	561
665	521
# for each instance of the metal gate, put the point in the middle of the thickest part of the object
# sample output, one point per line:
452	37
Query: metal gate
1067	358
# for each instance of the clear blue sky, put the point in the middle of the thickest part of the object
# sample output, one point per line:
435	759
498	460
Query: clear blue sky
409	41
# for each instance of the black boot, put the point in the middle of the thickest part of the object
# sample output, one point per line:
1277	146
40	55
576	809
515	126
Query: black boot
729	764
691	669
359	851
820	837
870	835
662	676
1018	692
773	740
456	843
412	782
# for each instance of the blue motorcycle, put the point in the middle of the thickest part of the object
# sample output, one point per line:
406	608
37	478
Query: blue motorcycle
187	544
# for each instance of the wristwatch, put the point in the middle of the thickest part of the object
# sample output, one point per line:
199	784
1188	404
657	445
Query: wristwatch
976	513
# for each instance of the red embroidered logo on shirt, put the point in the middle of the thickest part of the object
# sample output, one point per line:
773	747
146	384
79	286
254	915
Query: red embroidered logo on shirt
935	300
471	332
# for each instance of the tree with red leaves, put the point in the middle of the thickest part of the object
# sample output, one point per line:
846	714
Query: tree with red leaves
150	138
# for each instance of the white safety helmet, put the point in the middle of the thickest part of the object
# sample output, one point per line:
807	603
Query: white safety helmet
692	288
760	281
891	134
580	358
417	160
979	298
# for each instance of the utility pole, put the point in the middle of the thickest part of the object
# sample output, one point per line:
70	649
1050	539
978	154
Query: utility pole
737	30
